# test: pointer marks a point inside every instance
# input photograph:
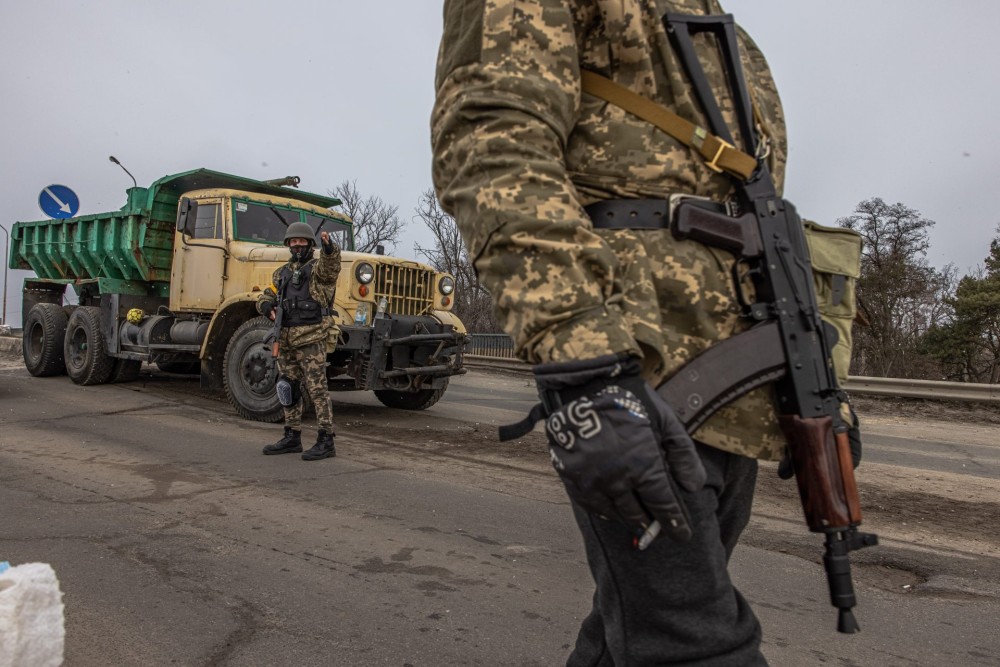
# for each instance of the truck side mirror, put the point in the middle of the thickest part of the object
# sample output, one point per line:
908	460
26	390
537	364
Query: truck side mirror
187	213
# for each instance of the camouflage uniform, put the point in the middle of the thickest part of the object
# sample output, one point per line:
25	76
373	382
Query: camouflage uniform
519	151
303	349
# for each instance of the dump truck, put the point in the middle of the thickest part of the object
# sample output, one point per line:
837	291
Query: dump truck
173	278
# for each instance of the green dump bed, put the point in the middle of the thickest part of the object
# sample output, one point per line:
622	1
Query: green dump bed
132	244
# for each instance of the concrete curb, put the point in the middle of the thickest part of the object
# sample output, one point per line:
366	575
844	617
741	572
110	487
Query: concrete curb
10	347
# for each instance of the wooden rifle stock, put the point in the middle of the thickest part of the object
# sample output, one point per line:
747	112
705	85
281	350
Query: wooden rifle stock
824	473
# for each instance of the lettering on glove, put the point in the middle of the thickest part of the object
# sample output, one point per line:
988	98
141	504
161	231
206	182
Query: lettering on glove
619	449
611	459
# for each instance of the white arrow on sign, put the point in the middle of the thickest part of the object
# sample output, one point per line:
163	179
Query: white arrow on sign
62	207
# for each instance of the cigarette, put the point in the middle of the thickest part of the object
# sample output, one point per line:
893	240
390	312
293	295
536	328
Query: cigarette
650	535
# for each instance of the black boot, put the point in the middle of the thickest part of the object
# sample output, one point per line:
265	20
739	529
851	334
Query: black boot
290	443
322	449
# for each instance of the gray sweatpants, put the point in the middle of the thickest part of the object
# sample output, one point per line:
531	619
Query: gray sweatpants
673	603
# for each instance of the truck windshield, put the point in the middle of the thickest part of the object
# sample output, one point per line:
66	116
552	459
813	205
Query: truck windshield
340	232
264	223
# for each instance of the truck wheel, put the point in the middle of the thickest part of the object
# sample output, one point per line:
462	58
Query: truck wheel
42	344
125	370
180	367
249	372
410	400
86	361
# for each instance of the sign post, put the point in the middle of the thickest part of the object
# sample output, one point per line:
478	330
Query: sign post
6	261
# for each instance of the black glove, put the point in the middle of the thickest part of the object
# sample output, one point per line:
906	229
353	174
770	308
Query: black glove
327	245
854	437
266	307
617	446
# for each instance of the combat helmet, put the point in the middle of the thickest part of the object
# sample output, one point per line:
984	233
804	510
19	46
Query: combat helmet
300	230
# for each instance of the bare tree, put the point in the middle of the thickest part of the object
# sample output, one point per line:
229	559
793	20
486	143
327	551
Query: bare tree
375	222
473	304
900	296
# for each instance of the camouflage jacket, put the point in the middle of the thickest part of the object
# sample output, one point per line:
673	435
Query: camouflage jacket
519	150
322	287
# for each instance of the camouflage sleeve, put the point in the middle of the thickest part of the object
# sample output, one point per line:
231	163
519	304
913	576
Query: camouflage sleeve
508	92
328	267
324	278
270	292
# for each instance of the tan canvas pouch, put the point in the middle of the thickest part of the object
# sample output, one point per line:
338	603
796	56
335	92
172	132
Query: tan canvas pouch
835	253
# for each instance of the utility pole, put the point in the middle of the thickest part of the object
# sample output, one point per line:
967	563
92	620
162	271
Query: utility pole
6	261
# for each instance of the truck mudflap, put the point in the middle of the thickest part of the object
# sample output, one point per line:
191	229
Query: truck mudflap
407	353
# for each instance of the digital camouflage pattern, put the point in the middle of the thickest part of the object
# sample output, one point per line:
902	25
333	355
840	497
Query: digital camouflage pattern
307	364
518	153
322	288
303	349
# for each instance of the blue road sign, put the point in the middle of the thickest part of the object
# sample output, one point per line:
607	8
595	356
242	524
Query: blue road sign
58	201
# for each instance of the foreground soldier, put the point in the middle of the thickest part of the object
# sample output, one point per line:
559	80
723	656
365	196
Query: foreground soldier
610	307
302	291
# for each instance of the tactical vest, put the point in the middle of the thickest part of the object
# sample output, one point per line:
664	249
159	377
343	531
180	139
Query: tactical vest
297	305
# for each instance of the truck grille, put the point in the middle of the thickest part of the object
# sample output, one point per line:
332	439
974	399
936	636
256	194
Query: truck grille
408	291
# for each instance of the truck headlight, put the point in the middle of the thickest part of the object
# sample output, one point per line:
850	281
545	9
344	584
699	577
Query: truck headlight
364	272
447	285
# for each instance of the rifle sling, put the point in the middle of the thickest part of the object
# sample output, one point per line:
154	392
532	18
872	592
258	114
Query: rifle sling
724	372
720	155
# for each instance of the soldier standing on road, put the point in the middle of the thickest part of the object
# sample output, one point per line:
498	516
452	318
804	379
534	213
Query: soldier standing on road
607	311
304	289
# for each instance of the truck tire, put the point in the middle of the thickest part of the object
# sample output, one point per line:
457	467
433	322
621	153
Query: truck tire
42	342
410	400
125	370
249	373
180	367
87	363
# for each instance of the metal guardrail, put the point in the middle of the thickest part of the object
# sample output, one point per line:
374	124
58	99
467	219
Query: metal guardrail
857	385
491	345
928	389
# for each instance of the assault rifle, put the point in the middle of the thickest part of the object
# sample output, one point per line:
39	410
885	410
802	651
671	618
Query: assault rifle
789	345
274	337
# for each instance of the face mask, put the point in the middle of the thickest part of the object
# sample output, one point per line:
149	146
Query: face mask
301	253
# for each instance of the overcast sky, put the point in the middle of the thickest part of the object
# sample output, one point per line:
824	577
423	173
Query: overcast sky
896	100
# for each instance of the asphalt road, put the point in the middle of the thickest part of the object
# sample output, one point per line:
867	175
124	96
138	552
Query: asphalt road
892	439
423	543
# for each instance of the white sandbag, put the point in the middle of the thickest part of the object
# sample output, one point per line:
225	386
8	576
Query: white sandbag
31	617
